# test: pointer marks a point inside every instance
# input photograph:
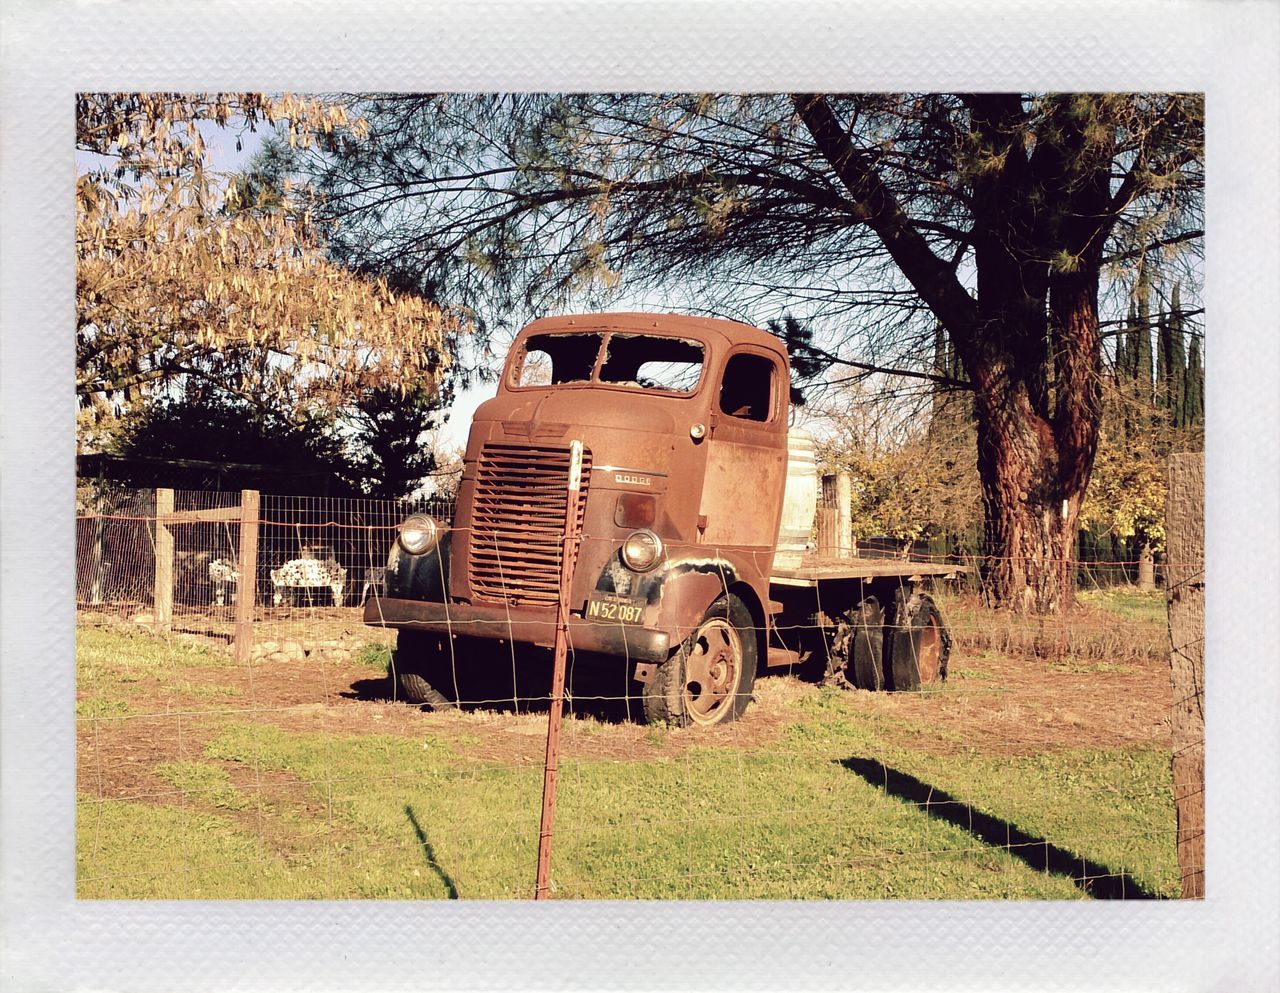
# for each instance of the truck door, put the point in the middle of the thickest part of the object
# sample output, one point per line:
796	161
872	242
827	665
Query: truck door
747	454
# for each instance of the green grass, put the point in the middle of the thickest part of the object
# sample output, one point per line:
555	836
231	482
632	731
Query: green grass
97	707
422	820
1110	807
1128	603
845	804
203	783
117	660
374	656
134	850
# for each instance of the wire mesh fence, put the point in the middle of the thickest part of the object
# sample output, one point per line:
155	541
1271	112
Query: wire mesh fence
1033	761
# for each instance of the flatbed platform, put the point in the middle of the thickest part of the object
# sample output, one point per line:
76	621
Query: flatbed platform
825	570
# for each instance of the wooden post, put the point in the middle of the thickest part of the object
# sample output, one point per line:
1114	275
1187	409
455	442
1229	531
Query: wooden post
835	517
551	767
844	514
1184	594
163	601
95	588
247	574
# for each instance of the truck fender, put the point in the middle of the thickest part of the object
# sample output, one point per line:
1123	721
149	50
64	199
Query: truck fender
686	595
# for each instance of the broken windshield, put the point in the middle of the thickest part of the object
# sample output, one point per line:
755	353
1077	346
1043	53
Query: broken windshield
639	361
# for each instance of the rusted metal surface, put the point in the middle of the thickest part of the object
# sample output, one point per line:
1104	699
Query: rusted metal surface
713	670
571	525
929	652
533	627
683	425
517	521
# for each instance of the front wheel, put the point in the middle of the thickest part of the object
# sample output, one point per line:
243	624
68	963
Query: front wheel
708	679
422	670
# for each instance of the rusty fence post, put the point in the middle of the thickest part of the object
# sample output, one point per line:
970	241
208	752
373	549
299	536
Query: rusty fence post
163	599
551	767
247	574
1184	595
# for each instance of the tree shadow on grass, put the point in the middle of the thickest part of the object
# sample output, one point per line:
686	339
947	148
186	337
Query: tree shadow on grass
450	888
1095	879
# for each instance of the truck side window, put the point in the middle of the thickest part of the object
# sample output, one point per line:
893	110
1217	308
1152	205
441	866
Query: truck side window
746	390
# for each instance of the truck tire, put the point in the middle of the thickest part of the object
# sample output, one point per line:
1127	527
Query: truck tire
708	679
918	645
856	650
422	670
867	638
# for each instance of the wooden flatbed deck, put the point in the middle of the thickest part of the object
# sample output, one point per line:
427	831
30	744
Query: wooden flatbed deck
813	573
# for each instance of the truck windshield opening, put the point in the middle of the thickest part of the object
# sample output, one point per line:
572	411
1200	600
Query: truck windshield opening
638	361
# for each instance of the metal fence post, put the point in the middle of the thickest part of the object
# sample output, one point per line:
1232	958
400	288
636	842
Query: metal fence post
247	574
551	767
163	599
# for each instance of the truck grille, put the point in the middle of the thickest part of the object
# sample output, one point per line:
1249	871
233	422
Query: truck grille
518	522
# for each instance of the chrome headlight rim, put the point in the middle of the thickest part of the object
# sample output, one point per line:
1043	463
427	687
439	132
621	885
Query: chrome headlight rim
418	534
656	545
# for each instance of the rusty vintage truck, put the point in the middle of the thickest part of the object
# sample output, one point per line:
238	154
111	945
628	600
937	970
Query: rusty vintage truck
694	507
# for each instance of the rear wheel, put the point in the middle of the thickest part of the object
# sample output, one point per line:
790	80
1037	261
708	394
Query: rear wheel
868	645
422	670
919	645
708	679
854	657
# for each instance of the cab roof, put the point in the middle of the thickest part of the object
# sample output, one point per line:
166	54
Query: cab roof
711	330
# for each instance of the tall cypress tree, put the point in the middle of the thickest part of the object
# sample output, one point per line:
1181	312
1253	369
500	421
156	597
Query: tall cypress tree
1142	351
1164	373
1123	352
1176	363
1195	384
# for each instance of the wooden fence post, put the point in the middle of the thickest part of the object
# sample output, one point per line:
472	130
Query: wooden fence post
1184	593
163	601
835	516
95	587
247	574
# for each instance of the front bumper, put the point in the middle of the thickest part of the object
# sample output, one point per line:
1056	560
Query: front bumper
534	627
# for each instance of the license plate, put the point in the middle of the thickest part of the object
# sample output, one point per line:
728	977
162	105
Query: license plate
613	608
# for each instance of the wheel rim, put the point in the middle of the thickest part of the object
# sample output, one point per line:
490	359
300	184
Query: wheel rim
712	672
929	654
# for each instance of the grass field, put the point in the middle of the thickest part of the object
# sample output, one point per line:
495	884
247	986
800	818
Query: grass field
1019	778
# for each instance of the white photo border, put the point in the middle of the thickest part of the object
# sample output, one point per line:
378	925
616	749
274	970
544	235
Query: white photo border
51	50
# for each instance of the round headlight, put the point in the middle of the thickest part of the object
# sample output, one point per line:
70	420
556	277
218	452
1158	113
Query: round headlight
641	550
419	534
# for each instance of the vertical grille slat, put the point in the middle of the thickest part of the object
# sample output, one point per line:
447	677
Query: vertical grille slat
518	522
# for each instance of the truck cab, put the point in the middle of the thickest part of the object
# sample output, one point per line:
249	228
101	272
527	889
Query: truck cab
683	428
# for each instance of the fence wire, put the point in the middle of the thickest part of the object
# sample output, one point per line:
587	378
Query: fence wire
1033	770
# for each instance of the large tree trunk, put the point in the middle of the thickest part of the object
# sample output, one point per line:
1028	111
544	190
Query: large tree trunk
1030	340
1030	516
1035	457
